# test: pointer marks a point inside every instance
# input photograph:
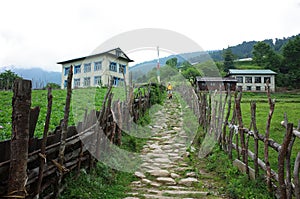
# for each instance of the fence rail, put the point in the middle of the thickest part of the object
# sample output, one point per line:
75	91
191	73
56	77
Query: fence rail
46	162
215	109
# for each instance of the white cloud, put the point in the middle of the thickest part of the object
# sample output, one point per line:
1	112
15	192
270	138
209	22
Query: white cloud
41	33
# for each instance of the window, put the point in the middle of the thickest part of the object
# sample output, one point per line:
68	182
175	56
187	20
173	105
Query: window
118	53
77	82
87	67
257	79
258	88
65	83
67	69
248	80
239	79
87	81
266	79
77	69
97	65
97	80
113	66
122	68
248	88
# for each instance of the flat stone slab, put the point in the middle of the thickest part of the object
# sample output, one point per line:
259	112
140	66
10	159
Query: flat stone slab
159	173
139	174
166	180
188	181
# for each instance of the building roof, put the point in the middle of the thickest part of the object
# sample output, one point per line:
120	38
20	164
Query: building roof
251	72
124	57
214	79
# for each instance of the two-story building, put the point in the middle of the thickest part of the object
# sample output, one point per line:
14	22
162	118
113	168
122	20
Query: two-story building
95	70
253	80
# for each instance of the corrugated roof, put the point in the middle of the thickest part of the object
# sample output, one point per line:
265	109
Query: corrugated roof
251	72
82	58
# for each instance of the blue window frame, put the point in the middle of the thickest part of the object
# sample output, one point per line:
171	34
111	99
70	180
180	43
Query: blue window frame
122	68
65	83
77	82
77	69
67	69
87	81
97	66
87	67
97	80
113	66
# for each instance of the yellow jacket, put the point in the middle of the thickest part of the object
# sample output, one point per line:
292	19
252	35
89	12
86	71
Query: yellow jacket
169	87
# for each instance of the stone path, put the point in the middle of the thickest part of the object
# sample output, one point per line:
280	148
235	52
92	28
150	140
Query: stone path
165	172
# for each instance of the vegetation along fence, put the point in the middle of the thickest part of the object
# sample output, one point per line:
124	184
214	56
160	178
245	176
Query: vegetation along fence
36	168
220	115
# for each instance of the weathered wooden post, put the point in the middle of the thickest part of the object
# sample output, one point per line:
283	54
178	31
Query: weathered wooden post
21	103
44	142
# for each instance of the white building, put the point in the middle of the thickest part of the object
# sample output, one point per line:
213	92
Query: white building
253	80
97	69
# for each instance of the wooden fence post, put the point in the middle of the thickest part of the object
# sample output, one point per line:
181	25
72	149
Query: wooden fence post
281	158
21	103
253	121
44	142
63	138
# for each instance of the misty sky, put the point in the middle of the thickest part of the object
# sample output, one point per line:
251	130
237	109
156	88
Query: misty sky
42	33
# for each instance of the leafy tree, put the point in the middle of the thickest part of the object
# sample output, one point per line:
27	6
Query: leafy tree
191	73
291	55
264	55
228	57
7	79
172	62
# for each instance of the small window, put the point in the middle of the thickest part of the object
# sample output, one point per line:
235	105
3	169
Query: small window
113	66
122	68
97	80
67	69
77	82
97	66
248	80
266	79
87	81
65	83
257	79
87	67
239	79
258	88
248	88
77	69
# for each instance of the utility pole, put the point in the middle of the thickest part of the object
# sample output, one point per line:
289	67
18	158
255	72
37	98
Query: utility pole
158	67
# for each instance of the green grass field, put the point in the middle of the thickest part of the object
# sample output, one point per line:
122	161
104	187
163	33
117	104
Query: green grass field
284	103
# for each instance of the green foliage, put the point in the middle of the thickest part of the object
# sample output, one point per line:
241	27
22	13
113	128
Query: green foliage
103	182
172	62
237	184
7	79
228	57
52	85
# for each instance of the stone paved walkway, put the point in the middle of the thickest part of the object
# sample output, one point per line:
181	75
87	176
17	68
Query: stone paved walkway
165	173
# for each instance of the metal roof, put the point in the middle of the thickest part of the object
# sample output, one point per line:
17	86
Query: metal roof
106	52
214	79
251	72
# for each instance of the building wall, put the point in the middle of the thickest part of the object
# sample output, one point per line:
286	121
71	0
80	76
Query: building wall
254	85
104	73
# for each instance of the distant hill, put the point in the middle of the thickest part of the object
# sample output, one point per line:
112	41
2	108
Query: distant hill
39	77
243	50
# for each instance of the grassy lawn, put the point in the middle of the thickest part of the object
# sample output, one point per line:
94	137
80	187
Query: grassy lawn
82	99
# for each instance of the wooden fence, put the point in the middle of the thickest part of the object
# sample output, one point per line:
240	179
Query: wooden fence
36	168
220	115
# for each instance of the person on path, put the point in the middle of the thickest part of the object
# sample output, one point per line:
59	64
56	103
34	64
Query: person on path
169	90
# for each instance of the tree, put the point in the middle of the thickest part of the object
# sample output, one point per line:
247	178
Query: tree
172	62
291	56
7	79
228	57
191	74
52	85
261	50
